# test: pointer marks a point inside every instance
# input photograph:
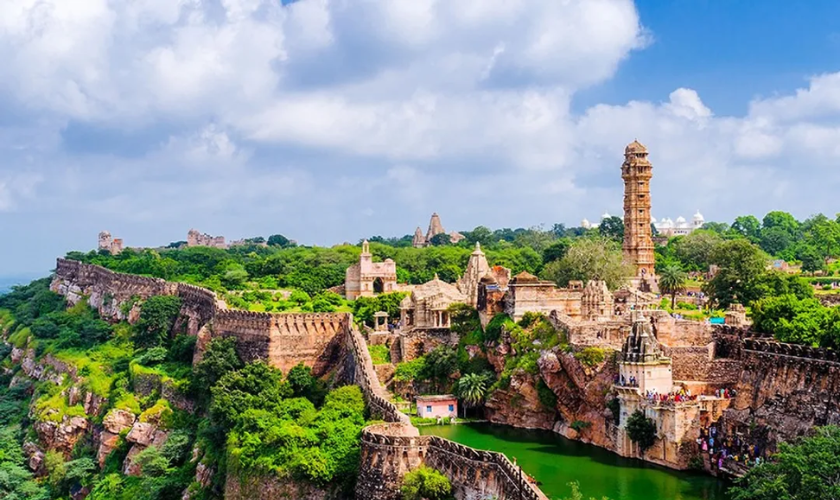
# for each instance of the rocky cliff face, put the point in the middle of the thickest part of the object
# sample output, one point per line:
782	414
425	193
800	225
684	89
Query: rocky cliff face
581	395
268	487
519	405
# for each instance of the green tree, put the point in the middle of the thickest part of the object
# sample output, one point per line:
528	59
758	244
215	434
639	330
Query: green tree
641	430
157	317
440	240
672	281
255	386
472	389
426	483
808	469
587	259
219	358
441	364
742	273
278	240
720	228
747	226
695	250
556	250
612	228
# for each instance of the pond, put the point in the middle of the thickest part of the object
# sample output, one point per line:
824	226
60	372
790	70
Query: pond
555	461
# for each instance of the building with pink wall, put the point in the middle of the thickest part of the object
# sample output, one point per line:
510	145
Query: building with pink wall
437	406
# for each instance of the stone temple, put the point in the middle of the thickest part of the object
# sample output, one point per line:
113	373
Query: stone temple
367	278
109	244
435	228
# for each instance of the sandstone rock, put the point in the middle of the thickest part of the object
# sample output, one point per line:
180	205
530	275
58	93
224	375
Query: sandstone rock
107	443
35	457
141	433
94	404
519	405
130	466
117	420
62	436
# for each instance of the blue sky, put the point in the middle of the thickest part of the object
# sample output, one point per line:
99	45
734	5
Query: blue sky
331	120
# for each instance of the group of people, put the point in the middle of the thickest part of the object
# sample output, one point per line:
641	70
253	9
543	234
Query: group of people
675	396
724	450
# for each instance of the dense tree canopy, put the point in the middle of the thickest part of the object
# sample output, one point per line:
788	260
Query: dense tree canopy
807	470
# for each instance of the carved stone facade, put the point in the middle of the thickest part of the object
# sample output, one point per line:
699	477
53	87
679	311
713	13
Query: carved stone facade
197	239
638	242
368	278
597	302
109	244
477	268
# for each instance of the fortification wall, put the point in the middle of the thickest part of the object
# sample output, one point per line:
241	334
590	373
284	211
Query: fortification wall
783	391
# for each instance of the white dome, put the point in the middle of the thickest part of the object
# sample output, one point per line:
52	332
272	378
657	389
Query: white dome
585	224
606	216
680	219
667	223
652	219
698	216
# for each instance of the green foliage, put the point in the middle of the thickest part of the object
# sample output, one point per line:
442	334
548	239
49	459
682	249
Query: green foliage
641	430
741	273
577	495
580	425
304	385
365	307
799	321
292	438
441	364
409	371
425	483
614	405
547	397
255	386
218	359
807	470
672	281
380	354
612	228
157	317
493	331
16	481
472	388
590	356
587	259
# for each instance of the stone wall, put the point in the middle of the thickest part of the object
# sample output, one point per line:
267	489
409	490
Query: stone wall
783	391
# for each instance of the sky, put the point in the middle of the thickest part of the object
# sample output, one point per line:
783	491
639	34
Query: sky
332	120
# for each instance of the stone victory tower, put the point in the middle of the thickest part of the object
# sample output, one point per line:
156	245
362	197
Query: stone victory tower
638	241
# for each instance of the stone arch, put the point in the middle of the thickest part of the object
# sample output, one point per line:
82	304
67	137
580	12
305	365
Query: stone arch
378	285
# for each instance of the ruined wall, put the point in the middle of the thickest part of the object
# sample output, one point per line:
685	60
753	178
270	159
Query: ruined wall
416	342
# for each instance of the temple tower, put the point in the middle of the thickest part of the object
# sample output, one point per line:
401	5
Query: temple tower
638	242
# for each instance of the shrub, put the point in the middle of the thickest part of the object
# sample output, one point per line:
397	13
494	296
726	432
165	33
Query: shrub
580	425
641	430
157	317
380	354
426	483
547	397
590	356
614	405
409	371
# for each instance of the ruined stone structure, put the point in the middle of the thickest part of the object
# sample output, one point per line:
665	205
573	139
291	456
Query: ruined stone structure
597	303
109	244
638	243
197	239
435	228
368	278
527	293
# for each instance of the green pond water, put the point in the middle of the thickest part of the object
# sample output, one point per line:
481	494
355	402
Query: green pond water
555	461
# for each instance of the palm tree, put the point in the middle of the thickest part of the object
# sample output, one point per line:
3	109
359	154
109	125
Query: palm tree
471	389
672	281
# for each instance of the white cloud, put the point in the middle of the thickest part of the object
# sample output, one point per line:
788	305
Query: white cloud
368	116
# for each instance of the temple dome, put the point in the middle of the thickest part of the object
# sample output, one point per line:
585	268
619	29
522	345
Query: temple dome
698	216
606	215
635	147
